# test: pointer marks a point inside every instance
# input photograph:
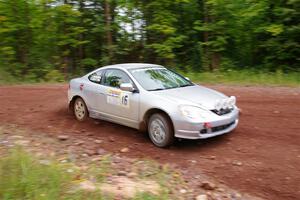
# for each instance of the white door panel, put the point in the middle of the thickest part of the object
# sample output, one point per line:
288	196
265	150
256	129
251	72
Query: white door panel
122	104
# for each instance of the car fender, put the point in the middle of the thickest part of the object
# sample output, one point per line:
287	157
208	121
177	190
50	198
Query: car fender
153	101
76	91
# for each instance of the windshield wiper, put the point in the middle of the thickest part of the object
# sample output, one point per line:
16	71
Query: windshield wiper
185	85
156	89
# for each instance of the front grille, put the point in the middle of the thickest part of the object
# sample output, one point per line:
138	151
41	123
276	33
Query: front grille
222	127
203	131
222	111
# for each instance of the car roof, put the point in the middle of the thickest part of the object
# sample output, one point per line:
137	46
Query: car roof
131	66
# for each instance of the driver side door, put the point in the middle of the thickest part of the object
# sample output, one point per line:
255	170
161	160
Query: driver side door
120	106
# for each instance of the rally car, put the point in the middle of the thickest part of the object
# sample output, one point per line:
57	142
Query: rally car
153	98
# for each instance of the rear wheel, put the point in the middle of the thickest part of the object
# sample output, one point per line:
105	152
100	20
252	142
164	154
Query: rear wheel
80	109
160	130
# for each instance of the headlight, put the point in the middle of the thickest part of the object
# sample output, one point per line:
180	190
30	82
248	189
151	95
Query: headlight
218	105
192	112
226	104
232	101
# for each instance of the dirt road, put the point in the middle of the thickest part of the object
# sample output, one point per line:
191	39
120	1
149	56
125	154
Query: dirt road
261	157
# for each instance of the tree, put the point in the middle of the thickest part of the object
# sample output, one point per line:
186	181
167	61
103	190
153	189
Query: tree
41	39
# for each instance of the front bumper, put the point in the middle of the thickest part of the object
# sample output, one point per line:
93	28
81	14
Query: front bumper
194	130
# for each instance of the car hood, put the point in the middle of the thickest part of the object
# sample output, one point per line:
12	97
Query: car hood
199	95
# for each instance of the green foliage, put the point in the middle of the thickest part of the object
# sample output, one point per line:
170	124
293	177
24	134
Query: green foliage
246	77
25	177
87	64
42	39
54	76
102	168
146	196
22	177
6	78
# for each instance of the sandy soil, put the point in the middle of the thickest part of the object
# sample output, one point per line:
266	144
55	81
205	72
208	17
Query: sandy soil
261	157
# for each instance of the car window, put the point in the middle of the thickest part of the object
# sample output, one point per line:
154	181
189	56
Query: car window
159	79
96	77
115	77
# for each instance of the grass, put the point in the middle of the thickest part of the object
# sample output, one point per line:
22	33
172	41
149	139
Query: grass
23	176
236	77
100	173
246	77
6	78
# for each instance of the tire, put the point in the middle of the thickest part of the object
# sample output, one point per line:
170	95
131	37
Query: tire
160	130
80	110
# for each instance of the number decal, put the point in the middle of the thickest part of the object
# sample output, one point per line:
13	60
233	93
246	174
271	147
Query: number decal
118	98
125	100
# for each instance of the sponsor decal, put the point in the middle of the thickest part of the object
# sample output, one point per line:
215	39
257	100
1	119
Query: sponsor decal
118	97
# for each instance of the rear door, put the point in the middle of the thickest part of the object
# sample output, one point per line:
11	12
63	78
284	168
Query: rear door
94	92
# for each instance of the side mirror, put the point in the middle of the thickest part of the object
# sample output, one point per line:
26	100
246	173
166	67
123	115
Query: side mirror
187	78
127	87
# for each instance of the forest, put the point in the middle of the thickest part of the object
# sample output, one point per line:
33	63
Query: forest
56	39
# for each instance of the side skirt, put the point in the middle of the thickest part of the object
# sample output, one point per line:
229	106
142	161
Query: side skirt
114	119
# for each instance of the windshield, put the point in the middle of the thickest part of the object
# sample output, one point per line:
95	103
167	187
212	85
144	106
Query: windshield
152	79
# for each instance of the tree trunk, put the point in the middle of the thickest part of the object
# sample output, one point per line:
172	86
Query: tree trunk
81	49
215	61
107	13
206	52
66	51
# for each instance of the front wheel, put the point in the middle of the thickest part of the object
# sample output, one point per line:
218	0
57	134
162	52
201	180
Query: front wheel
80	109
160	130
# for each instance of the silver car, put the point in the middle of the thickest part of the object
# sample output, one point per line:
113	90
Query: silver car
151	97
